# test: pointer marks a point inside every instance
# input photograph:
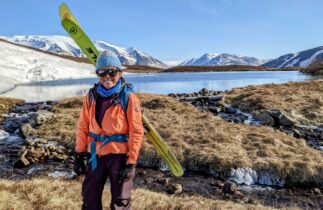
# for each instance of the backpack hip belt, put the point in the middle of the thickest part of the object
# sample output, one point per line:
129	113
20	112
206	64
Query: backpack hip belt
105	140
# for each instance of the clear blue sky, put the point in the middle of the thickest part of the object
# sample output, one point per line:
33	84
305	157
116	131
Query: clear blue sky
179	29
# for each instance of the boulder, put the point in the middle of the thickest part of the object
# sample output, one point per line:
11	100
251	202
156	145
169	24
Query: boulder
40	117
265	118
281	118
25	130
229	188
204	92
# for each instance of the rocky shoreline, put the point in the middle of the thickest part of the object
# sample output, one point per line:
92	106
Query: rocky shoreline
211	101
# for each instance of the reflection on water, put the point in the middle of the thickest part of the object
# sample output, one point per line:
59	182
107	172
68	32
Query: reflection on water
162	83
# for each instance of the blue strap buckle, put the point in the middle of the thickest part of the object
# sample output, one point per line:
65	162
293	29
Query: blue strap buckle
105	140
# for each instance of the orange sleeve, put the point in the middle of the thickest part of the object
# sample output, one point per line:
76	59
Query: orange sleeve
83	127
136	129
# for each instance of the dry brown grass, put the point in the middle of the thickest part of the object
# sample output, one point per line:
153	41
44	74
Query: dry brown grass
203	141
6	104
316	68
62	127
302	101
45	193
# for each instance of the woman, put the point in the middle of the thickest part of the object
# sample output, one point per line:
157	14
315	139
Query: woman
110	128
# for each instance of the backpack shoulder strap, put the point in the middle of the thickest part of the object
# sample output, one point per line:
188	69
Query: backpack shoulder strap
124	96
91	95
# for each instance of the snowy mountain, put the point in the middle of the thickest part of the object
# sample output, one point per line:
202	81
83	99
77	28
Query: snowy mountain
144	59
223	59
20	65
65	45
301	59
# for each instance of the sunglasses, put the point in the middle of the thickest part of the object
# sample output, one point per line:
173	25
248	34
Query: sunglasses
110	72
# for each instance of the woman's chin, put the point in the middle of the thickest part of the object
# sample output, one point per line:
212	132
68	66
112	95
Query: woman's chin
107	85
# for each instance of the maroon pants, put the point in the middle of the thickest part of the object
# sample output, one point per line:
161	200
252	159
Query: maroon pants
108	166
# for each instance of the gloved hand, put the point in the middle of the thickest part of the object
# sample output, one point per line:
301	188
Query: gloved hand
79	164
126	174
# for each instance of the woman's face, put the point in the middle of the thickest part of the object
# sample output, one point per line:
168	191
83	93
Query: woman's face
110	81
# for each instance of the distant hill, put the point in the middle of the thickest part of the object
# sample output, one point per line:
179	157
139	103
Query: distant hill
223	59
222	68
299	59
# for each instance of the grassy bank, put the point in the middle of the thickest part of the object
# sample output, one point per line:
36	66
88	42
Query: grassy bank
302	101
316	68
45	193
6	104
203	141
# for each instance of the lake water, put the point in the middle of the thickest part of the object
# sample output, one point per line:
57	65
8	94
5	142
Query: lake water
161	83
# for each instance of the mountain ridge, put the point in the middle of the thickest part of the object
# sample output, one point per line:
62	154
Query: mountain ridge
64	45
222	59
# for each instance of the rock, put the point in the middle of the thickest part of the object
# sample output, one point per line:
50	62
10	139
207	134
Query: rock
178	188
61	149
31	159
317	191
281	118
30	142
25	108
172	95
41	140
25	130
264	117
22	152
174	188
297	133
54	154
215	110
229	188
61	157
35	154
285	121
40	117
204	92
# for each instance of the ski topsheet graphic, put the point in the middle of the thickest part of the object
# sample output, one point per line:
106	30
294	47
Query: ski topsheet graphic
81	39
73	28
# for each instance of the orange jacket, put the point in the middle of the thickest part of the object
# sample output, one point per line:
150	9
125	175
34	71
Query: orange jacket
115	121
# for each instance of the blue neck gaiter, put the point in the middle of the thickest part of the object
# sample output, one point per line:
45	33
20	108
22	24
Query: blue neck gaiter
107	93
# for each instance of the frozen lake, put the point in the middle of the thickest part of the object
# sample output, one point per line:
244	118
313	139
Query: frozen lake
161	83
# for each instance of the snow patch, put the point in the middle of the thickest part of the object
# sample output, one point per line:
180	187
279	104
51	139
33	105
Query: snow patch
248	176
62	174
3	134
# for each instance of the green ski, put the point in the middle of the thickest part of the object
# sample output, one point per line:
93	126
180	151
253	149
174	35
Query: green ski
73	28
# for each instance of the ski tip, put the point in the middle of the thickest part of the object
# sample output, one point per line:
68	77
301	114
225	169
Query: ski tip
62	5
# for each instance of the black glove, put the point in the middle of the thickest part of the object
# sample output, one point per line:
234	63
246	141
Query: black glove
126	174
79	164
